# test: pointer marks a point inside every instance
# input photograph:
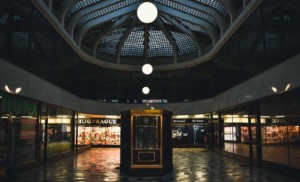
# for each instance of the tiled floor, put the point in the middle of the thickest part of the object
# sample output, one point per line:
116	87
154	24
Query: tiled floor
190	165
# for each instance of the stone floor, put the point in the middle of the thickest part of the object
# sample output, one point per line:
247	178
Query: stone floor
190	165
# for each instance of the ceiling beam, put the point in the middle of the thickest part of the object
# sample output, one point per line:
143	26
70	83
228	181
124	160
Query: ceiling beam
211	30
50	3
221	21
118	23
170	39
185	30
231	9
87	10
146	43
103	19
124	38
63	10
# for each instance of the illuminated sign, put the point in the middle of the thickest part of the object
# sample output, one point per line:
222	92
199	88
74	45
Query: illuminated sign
98	121
190	120
155	101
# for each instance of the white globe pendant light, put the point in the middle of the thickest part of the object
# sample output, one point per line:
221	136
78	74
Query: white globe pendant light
146	90
147	12
147	69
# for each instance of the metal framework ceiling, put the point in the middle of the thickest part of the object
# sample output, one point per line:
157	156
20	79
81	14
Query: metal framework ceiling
250	44
109	34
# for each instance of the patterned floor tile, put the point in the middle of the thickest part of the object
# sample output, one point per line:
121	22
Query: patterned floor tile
190	165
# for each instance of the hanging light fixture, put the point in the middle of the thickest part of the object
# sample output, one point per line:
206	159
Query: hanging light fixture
147	12
145	90
147	69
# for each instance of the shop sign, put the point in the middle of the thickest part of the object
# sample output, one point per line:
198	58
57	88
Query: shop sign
189	120
179	121
198	121
277	120
18	106
98	121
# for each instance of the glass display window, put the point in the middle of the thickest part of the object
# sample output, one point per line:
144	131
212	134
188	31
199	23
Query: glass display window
84	135
294	134
244	134
180	134
188	134
230	133
99	131
147	129
274	134
146	140
102	135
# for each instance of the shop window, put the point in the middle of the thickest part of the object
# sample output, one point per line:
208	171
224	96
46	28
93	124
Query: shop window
230	133
59	131
18	133
84	135
105	135
189	132
98	131
274	134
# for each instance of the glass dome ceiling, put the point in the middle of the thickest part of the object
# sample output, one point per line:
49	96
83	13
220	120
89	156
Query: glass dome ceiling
109	33
258	35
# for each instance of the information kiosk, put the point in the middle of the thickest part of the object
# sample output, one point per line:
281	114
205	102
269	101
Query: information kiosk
146	142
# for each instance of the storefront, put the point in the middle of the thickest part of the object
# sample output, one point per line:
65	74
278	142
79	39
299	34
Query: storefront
266	132
31	132
98	131
189	132
18	131
56	131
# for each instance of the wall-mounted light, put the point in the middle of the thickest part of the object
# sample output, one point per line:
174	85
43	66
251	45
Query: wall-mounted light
147	69
281	90
274	89
146	90
248	96
287	87
16	91
147	12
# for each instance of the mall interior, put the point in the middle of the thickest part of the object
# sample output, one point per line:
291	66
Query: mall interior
221	103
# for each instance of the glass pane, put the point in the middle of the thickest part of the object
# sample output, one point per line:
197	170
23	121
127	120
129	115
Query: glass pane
3	142
274	143
59	131
23	139
146	132
101	135
294	138
84	135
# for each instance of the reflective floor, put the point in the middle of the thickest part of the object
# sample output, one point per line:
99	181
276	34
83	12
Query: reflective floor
101	164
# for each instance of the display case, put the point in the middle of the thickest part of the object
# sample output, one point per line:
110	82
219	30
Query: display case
146	142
